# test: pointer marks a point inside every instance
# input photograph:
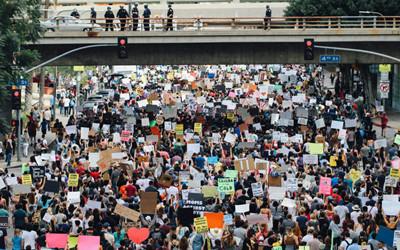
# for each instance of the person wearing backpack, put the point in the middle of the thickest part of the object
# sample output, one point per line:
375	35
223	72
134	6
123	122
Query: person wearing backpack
72	106
157	234
346	242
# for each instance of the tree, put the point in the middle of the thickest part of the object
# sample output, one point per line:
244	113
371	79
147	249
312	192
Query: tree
19	25
341	7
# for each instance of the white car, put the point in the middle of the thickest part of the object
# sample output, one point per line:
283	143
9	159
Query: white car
69	23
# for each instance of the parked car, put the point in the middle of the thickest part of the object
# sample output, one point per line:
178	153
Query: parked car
68	23
95	98
105	93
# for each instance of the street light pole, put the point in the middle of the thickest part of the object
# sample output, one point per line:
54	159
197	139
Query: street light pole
373	12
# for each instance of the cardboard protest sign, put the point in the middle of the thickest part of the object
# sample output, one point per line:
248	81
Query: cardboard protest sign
201	225
215	220
148	202
73	197
226	185
73	179
274	181
165	180
126	212
246	164
325	186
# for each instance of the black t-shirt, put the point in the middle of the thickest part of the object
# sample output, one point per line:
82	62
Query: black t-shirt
3	233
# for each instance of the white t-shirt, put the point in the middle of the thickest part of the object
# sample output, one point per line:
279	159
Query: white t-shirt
29	238
143	183
172	191
66	102
307	238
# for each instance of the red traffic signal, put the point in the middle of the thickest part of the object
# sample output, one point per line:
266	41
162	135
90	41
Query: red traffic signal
308	49
16	99
122	48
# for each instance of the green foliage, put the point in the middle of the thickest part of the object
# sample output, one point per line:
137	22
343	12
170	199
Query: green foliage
341	7
19	25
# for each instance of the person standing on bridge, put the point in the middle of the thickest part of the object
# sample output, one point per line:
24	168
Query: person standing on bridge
267	19
122	14
93	15
109	22
135	17
146	15
170	15
75	13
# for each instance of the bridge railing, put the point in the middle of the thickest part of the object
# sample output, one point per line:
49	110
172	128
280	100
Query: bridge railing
233	23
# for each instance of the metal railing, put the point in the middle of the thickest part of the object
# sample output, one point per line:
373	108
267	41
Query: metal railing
200	23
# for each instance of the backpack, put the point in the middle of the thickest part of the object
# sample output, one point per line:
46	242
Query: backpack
72	103
157	235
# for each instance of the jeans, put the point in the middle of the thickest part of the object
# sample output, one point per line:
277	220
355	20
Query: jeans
8	159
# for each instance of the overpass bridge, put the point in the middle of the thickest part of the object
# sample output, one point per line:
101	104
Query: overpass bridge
230	41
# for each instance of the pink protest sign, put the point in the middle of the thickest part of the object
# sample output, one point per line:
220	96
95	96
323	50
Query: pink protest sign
88	242
396	164
232	94
325	186
125	135
57	240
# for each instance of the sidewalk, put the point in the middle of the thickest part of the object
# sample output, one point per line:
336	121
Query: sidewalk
50	137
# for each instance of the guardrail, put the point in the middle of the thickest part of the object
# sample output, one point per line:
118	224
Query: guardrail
199	23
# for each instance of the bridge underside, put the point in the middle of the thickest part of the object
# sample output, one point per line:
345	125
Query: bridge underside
214	53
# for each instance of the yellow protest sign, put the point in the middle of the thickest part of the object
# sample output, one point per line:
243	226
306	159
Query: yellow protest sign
394	172
201	225
384	67
26	179
230	116
179	127
316	148
73	180
197	127
332	161
170	76
355	175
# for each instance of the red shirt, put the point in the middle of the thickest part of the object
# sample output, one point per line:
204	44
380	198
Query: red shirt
95	175
130	190
79	170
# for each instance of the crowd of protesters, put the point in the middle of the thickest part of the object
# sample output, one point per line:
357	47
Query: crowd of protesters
221	99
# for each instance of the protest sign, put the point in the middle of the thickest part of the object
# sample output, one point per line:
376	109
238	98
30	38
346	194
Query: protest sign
88	242
26	179
257	219
292	184
246	164
310	159
165	180
226	185
73	179
325	186
316	148
201	225
37	171
126	212
257	189
55	240
209	191
22	188
215	220
242	208
276	193
148	201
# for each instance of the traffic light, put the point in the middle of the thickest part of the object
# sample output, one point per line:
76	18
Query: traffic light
16	99
308	49
122	47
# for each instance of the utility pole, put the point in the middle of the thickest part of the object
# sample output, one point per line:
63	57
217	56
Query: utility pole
54	92
46	6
